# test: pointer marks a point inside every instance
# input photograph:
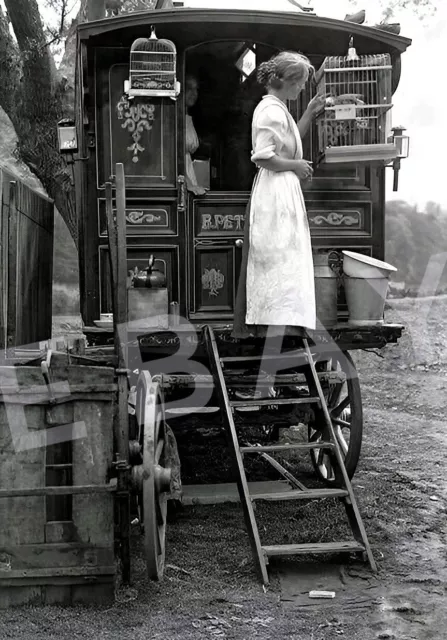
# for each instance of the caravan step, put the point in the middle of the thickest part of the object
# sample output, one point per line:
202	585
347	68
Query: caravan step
300	494
318	547
274	401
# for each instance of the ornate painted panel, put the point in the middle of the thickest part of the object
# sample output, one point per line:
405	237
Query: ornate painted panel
213	278
143	218
339	218
139	132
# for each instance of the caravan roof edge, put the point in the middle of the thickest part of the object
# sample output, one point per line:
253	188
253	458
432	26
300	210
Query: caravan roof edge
88	30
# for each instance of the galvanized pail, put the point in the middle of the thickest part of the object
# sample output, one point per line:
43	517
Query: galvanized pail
326	265
366	300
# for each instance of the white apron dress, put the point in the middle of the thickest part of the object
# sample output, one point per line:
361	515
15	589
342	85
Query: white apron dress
280	277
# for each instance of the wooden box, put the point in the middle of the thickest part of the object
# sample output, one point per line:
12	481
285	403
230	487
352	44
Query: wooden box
56	547
147	309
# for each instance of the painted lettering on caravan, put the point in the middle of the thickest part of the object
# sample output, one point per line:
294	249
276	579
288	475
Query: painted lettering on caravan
219	222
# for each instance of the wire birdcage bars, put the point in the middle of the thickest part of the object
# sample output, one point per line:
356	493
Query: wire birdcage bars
356	122
153	68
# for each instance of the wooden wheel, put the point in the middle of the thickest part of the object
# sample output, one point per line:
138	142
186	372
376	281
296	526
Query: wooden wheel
156	476
344	402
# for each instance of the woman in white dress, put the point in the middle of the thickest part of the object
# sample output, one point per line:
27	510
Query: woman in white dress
276	284
192	139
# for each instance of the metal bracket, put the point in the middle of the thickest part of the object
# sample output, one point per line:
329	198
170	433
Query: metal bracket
45	368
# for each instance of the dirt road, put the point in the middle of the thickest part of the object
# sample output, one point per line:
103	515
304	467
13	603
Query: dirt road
210	589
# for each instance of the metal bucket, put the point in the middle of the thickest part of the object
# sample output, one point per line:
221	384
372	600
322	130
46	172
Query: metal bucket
326	264
366	300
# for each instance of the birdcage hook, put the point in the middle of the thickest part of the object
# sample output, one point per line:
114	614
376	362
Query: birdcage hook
352	52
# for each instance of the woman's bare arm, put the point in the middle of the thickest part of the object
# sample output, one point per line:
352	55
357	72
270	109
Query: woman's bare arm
277	164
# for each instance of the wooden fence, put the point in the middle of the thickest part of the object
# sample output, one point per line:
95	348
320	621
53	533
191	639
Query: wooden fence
26	259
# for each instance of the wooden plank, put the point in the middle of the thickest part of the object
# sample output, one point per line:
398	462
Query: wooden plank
92	513
22	519
11	311
61	591
9	577
45	399
85	378
120	323
59	532
61	555
273	401
301	494
93	490
309	548
62	414
3	262
111	229
26	595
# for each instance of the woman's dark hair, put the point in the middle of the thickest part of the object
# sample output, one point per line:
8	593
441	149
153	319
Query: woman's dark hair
287	66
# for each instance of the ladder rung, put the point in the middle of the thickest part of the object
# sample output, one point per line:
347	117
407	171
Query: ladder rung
264	357
274	401
299	494
318	547
306	446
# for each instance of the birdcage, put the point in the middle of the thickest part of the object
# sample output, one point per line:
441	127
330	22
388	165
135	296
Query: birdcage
355	125
152	68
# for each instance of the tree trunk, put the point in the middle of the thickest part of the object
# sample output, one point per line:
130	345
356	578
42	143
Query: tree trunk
41	98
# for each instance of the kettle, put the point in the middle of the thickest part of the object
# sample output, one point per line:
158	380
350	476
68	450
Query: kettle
150	278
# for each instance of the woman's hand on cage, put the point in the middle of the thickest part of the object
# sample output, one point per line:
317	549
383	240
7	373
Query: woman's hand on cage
304	169
317	104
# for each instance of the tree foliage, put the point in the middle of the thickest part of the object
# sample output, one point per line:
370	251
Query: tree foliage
36	95
391	8
413	238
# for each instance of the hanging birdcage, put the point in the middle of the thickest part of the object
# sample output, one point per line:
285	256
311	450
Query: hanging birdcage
355	125
153	68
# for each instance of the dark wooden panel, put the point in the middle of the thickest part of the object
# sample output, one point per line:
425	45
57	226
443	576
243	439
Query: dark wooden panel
335	218
140	133
213	278
222	215
143	218
167	260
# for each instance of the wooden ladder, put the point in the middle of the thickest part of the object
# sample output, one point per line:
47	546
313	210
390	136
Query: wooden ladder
344	491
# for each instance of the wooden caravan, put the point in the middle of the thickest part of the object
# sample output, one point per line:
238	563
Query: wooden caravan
194	238
139	225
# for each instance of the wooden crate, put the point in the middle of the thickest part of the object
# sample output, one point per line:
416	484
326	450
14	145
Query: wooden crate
56	548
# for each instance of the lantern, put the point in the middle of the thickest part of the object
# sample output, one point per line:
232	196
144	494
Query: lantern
67	136
402	144
401	141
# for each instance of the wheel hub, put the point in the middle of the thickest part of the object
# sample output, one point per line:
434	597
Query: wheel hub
162	479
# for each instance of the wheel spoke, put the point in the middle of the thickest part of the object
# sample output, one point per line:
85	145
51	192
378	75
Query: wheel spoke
321	455
328	467
341	407
341	441
159	450
334	395
341	423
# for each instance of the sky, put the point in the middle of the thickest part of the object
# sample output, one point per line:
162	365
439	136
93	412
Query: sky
420	103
